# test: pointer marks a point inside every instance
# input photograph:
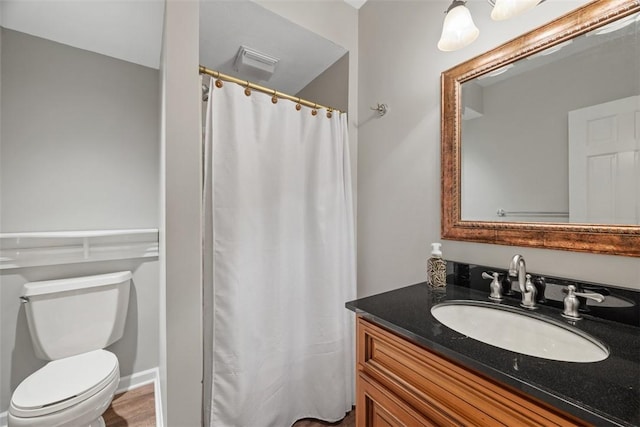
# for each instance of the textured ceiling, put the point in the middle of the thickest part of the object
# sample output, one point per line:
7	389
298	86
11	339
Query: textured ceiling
227	25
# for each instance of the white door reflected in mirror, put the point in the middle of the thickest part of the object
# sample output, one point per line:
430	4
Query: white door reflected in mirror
604	163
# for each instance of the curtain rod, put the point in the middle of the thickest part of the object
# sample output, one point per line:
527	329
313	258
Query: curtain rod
248	84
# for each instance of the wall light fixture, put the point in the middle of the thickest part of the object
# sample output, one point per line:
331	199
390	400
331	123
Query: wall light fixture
458	29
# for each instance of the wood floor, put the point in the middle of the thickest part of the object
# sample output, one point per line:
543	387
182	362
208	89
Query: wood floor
136	408
348	421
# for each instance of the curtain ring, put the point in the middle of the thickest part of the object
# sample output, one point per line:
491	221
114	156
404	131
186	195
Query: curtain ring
329	113
247	89
219	83
274	98
298	106
315	110
205	92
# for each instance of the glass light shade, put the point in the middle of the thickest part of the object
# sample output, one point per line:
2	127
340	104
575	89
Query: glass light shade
458	29
505	9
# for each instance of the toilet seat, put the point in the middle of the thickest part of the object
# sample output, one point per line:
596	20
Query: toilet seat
85	414
63	383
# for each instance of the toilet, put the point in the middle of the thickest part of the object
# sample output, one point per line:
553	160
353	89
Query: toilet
71	321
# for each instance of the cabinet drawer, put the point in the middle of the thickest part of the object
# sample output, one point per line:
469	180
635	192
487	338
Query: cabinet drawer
443	391
378	407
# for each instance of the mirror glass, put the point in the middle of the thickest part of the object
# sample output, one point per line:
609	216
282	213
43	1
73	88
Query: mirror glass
555	136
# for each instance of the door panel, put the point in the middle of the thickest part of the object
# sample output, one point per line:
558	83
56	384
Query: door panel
604	171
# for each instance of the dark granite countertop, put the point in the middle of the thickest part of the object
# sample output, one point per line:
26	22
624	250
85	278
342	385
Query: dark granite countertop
605	393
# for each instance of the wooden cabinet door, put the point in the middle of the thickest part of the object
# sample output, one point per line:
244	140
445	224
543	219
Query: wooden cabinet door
377	407
402	384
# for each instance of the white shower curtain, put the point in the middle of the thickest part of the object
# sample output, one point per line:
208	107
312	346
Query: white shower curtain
278	337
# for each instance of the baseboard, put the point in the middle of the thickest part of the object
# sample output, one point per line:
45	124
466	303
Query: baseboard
136	380
127	383
140	379
158	398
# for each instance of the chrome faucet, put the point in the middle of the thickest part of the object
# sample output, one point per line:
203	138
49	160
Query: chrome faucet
518	267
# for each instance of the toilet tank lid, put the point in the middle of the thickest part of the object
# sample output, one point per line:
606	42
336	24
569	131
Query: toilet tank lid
63	285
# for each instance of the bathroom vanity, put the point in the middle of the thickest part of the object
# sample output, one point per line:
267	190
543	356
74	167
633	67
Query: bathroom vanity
414	371
411	369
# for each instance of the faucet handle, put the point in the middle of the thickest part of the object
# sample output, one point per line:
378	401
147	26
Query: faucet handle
529	295
490	274
541	285
591	295
496	285
572	303
506	285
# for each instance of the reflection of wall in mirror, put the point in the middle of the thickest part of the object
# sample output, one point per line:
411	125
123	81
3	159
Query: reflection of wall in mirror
515	155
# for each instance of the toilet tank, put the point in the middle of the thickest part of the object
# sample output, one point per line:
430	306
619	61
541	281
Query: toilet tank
72	316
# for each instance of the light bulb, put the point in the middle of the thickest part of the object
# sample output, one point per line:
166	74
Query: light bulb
505	9
458	29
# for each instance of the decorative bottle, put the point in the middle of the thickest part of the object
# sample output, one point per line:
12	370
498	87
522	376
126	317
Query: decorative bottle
436	268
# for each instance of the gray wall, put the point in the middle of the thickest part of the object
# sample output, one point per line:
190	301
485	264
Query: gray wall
79	139
399	155
79	150
331	88
180	209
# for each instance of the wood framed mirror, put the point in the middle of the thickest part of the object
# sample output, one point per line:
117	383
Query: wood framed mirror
489	142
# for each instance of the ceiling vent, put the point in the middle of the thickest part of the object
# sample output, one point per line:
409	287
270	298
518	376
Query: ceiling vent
254	65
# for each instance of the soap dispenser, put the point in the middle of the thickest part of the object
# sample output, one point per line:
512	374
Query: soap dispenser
436	268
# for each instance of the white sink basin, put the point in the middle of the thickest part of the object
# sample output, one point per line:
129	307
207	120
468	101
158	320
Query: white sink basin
512	329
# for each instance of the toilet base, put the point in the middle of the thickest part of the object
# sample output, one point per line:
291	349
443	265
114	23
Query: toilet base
98	423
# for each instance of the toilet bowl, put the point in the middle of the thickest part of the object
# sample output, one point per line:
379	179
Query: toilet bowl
71	321
74	391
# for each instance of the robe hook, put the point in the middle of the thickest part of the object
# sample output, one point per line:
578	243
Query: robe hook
381	109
